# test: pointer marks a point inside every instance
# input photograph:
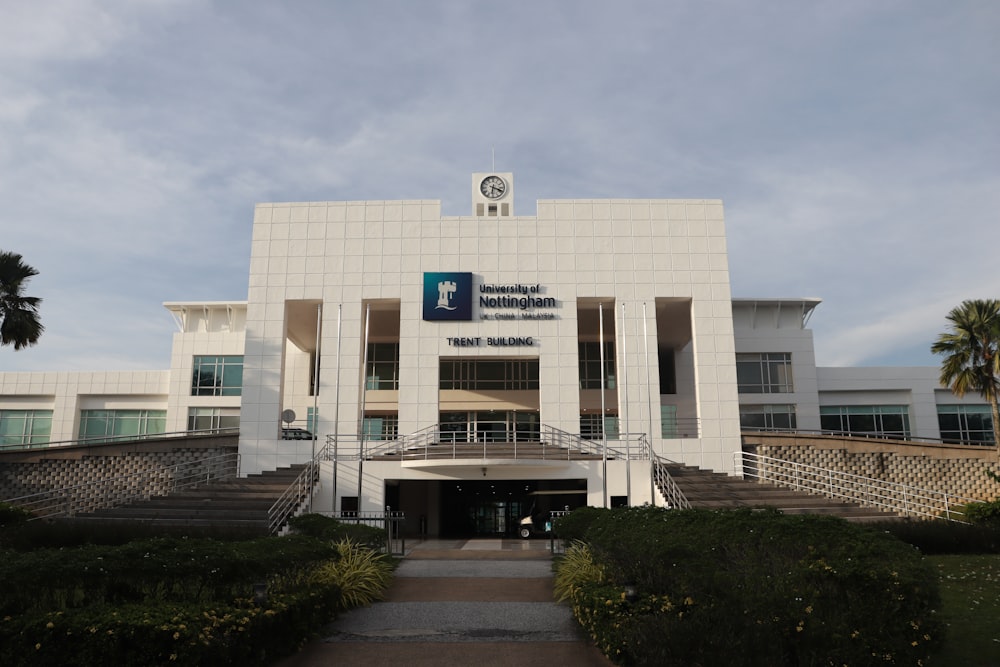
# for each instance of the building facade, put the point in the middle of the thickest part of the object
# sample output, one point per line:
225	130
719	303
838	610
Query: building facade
596	325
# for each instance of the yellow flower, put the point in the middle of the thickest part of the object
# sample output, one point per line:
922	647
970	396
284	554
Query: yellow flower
38	646
177	635
50	625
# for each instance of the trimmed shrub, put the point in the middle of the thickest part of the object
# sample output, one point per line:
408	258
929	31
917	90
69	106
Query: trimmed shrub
165	569
945	537
983	513
754	587
328	528
574	525
235	633
12	515
189	602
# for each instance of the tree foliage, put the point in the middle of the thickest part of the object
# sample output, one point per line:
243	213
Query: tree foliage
20	325
971	350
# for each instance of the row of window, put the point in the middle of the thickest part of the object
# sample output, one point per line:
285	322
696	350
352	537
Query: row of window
223	375
34	427
958	423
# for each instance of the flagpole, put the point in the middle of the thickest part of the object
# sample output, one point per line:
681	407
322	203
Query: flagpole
364	395
624	412
604	430
336	409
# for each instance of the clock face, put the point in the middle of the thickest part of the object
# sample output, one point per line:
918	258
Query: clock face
493	187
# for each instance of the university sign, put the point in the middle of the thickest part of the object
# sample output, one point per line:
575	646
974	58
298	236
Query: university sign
449	297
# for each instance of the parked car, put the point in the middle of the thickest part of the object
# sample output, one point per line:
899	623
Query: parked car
296	434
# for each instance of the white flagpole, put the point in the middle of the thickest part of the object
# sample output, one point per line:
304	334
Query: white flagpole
336	408
604	430
364	394
624	413
649	405
315	390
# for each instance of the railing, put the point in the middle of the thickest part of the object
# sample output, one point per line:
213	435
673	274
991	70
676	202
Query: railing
662	480
117	439
123	489
300	490
392	522
546	443
867	491
556	545
884	437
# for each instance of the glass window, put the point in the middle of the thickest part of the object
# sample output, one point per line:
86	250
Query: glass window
885	421
211	419
217	376
764	373
25	427
381	427
104	425
767	417
966	424
592	427
668	421
590	365
482	375
383	366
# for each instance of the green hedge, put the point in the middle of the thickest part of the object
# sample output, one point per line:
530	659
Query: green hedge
754	587
165	569
327	528
179	601
161	633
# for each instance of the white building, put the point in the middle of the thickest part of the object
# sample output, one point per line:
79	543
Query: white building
432	334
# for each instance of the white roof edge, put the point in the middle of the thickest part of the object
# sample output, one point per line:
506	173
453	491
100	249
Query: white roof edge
170	305
793	299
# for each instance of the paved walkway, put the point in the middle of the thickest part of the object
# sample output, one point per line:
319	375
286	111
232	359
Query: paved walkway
456	602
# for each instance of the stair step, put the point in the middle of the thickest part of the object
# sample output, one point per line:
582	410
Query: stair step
714	490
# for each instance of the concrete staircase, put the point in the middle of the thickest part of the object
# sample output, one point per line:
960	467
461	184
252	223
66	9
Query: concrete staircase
239	503
714	490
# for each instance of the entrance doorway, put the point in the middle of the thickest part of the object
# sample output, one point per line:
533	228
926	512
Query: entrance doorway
494	508
490	426
463	508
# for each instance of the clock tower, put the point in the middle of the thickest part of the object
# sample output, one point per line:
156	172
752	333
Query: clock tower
493	194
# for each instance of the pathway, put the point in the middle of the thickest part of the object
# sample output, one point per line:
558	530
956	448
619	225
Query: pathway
456	602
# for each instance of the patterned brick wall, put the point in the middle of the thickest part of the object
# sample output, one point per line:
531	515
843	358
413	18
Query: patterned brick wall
952	470
113	479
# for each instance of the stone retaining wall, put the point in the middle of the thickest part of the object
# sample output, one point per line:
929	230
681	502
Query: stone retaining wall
948	469
107	480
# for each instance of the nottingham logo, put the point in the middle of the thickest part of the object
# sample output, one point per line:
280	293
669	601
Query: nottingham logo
447	296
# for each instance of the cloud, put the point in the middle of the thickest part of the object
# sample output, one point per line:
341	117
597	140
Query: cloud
854	144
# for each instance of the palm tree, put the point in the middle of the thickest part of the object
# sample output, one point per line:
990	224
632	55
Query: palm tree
19	323
972	353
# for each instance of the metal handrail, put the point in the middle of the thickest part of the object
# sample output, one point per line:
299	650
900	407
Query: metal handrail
123	489
858	435
547	443
662	480
118	439
297	492
867	491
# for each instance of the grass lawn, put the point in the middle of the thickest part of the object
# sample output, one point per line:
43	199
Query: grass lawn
970	596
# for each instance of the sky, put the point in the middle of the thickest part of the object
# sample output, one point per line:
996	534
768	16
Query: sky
855	144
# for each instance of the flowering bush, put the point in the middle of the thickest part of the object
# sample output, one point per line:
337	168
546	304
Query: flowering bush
751	587
177	601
